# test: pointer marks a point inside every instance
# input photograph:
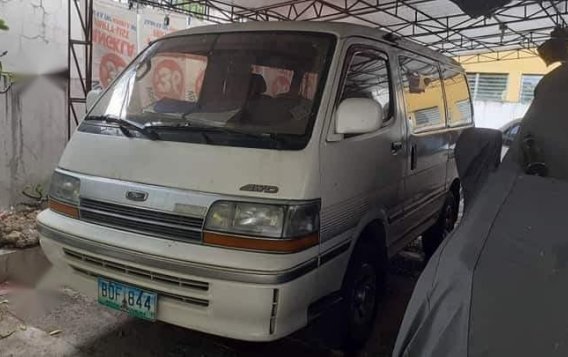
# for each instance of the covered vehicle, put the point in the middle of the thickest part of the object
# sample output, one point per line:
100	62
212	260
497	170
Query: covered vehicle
498	285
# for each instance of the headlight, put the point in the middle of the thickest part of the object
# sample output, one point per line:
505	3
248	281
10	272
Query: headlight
247	218
267	227
65	188
64	194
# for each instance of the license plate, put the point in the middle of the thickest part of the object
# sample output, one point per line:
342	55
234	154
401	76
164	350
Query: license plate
134	301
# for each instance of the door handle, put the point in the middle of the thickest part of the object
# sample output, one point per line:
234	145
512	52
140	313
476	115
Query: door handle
396	147
413	156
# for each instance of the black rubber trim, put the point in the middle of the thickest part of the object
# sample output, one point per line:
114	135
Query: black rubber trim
334	252
324	304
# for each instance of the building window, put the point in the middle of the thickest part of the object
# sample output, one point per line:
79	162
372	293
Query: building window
457	97
488	86
528	84
427	116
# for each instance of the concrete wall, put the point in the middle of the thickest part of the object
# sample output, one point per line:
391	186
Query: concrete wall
496	114
32	136
32	112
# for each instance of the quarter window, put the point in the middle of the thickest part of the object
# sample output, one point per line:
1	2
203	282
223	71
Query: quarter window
423	95
457	98
368	77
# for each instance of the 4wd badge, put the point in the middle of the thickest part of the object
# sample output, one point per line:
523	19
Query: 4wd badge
260	188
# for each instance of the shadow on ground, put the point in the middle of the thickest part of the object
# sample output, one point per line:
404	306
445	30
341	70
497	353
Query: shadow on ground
93	330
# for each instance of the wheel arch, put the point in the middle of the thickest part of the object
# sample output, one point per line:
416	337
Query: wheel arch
373	231
455	187
372	227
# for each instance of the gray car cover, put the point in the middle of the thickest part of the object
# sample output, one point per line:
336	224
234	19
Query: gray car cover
478	153
498	285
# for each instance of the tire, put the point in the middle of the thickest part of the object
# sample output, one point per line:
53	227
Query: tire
363	288
433	237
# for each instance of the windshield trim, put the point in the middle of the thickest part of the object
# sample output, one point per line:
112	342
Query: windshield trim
299	141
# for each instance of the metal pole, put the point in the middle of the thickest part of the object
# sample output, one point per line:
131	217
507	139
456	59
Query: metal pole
69	44
89	46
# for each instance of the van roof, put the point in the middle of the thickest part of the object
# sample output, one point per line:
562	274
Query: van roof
339	29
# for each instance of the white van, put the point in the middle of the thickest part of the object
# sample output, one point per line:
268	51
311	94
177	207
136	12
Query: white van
239	179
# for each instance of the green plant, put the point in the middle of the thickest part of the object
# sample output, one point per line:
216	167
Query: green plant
3	25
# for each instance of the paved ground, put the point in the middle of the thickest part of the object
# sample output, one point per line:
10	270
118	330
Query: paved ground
80	327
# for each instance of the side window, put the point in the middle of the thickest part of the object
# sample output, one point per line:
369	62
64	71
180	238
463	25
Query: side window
368	76
457	97
423	95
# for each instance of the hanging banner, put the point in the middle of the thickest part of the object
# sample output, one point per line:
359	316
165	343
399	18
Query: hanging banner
114	40
152	25
173	77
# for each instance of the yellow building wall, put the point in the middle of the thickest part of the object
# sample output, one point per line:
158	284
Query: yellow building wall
514	67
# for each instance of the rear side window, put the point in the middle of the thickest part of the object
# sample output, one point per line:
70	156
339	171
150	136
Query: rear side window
368	77
457	98
423	94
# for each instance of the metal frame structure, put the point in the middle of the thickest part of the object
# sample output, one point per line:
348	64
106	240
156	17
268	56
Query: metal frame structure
511	32
79	57
439	24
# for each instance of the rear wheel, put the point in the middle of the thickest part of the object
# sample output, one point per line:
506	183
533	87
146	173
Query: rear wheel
445	224
362	289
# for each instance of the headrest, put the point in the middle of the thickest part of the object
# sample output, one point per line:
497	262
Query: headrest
257	84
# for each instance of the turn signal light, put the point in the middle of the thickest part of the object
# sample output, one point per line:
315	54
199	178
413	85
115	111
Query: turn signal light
261	244
63	208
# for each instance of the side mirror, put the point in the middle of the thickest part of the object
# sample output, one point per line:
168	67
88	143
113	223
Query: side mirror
92	97
358	116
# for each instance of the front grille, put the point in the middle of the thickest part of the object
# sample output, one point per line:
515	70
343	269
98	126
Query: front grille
142	220
142	273
127	270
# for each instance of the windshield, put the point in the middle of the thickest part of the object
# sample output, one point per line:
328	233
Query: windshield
254	89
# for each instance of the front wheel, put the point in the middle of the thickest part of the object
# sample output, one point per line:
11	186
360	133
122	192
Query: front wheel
445	224
362	289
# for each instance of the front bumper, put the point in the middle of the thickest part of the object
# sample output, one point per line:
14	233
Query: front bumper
245	305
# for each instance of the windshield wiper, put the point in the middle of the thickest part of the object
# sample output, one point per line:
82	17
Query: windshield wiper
182	127
125	125
218	129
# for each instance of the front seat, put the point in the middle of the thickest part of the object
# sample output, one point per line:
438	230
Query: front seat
260	107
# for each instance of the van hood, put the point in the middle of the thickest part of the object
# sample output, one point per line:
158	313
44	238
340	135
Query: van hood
199	167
